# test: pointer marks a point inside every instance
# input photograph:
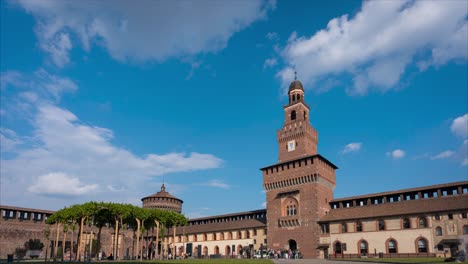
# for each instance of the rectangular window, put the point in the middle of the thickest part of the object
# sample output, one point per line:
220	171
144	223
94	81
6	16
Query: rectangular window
358	227
325	229
450	216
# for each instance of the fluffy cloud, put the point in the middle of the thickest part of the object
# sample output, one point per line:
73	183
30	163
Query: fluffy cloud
60	184
148	31
443	155
396	154
460	126
72	156
352	147
377	45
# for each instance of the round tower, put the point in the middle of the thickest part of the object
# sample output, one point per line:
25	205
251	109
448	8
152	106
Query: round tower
163	200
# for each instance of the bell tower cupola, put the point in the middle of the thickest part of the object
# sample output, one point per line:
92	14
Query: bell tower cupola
297	138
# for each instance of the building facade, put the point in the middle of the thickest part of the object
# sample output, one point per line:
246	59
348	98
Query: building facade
300	186
301	213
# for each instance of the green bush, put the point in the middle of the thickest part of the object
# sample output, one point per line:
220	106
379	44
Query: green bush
33	244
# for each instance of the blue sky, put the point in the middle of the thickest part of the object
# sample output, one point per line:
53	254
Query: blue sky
106	100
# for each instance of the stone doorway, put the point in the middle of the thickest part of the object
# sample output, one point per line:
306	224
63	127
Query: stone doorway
292	244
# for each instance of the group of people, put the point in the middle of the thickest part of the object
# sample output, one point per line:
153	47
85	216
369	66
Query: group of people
282	253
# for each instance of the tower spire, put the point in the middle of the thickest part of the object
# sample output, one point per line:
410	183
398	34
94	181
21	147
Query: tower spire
295	75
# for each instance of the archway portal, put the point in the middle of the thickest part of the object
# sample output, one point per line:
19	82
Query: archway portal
292	244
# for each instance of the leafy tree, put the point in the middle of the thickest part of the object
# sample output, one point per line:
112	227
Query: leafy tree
33	244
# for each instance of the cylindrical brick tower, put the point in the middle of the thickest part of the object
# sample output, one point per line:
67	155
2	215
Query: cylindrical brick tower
163	200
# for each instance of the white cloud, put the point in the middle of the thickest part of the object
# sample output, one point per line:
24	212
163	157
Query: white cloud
443	155
29	96
352	147
377	45
40	84
217	184
396	154
269	63
63	144
148	31
264	204
60	184
9	140
460	126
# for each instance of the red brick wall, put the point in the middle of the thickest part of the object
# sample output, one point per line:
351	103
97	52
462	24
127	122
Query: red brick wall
313	197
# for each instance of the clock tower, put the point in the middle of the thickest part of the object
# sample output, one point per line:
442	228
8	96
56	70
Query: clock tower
300	185
297	138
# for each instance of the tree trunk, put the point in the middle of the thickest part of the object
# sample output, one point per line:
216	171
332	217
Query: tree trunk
56	241
91	245
116	239
173	244
142	224
64	241
71	244
138	237
78	253
157	237
99	239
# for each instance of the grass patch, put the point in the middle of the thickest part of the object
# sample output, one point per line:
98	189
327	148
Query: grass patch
177	261
397	260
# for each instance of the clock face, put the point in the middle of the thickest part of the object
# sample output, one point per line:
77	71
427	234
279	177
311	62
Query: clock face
291	145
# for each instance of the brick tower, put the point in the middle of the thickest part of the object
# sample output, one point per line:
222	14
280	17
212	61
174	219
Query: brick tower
298	187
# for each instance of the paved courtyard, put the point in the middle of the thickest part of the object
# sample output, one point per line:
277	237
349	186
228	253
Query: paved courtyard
314	261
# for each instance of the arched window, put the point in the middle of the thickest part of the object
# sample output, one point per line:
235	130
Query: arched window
294	97
221	236
239	235
422	222
406	223
214	236
247	234
216	250
195	238
227	250
290	207
229	235
381	225
422	245
205	237
298	97
363	247
205	251
305	115
338	247
358	226
344	228
293	115
392	246
438	231
465	229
